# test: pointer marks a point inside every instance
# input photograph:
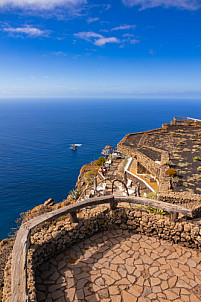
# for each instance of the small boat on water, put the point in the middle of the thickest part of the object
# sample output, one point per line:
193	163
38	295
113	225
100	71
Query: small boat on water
73	147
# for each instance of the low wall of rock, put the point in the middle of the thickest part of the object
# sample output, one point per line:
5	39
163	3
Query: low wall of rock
44	244
189	200
136	180
148	163
55	236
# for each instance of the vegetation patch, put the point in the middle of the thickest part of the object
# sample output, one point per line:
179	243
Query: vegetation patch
196	158
152	195
75	194
171	172
101	161
156	211
183	165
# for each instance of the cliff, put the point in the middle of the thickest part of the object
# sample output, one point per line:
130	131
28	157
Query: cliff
88	170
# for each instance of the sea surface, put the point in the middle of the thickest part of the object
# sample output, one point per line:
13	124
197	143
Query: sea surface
36	161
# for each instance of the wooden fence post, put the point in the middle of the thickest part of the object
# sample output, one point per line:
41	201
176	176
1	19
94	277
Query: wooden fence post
113	205
173	216
73	217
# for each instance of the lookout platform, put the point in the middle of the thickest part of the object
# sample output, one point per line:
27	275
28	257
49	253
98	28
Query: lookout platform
120	266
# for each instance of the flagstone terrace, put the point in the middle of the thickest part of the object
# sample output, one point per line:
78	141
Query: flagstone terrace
57	236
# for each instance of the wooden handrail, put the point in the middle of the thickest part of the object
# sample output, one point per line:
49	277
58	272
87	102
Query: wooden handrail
118	180
186	118
20	249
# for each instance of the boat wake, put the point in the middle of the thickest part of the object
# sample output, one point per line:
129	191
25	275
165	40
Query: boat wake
74	146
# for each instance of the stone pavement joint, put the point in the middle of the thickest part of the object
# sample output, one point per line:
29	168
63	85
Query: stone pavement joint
120	266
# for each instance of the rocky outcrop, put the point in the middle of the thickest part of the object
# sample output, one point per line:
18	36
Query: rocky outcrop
49	202
82	179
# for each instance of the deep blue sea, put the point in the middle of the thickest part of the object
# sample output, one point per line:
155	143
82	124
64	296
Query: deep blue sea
36	161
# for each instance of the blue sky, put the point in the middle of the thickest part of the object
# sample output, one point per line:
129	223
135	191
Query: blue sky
99	48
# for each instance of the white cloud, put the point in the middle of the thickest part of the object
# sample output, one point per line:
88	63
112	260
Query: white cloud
180	4
40	4
100	40
128	35
96	39
27	30
134	41
123	27
90	20
59	53
103	41
88	35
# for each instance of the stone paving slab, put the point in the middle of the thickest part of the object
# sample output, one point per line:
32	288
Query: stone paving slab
119	266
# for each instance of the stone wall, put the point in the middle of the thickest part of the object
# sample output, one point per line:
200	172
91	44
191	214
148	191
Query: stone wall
135	180
148	163
165	194
164	180
187	199
53	237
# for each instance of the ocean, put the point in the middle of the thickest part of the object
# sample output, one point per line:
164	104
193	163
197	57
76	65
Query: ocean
36	162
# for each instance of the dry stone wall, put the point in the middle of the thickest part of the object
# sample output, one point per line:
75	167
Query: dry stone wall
148	163
165	193
53	237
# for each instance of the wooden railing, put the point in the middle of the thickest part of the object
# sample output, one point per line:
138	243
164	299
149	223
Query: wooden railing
185	120
20	249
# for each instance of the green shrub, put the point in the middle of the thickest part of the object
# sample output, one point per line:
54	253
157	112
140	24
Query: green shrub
75	194
91	173
196	158
101	161
171	172
90	180
157	211
152	195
